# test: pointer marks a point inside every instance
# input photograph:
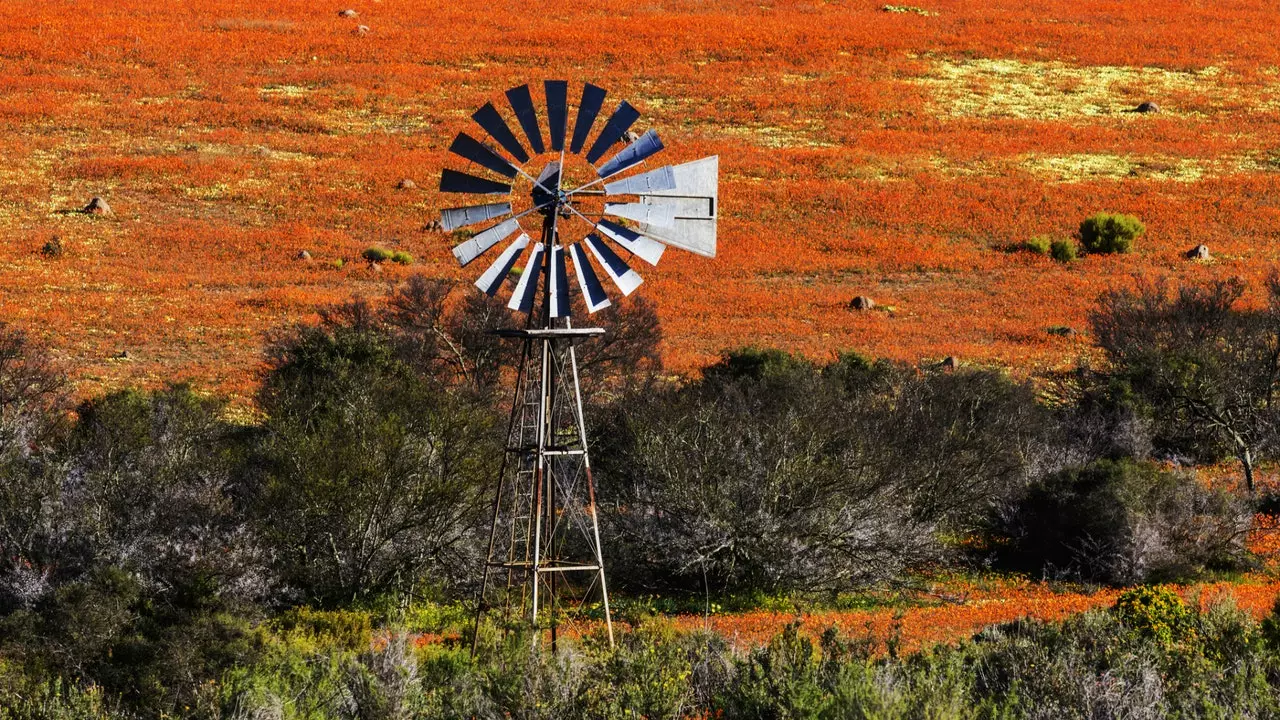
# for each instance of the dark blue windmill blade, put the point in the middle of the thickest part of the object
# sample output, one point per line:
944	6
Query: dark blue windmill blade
592	291
588	109
453	218
616	127
557	92
460	182
559	286
646	146
527	288
492	278
488	118
522	105
468	148
622	275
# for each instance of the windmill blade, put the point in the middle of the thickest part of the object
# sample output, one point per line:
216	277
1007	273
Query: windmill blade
522	105
622	275
693	202
460	182
661	179
617	126
557	92
559	287
642	247
527	288
454	218
647	145
549	179
468	148
592	291
488	118
644	213
492	278
588	109
476	246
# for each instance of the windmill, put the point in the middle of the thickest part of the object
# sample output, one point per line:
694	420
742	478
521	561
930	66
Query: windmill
590	207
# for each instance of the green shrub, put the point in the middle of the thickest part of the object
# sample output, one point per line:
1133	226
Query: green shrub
1155	612
401	257
349	629
1039	245
376	254
1063	251
1107	233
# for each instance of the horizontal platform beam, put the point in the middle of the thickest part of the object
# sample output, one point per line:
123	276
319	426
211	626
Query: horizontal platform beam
548	333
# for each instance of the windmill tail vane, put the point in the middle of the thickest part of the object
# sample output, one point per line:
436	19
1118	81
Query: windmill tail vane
593	208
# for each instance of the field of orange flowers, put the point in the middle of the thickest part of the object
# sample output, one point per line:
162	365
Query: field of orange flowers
863	151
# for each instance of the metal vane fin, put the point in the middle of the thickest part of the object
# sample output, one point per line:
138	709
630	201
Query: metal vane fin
661	179
454	218
522	104
557	92
460	182
647	145
549	178
468	148
559	286
622	275
488	118
473	248
616	127
659	215
588	109
527	288
693	202
492	278
592	291
642	247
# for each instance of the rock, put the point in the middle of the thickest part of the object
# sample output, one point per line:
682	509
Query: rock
631	136
862	302
97	206
375	268
122	355
433	226
361	30
303	255
406	184
348	13
1062	331
949	363
1199	252
1147	107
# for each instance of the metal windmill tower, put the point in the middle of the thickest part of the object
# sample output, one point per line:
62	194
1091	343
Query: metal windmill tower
544	542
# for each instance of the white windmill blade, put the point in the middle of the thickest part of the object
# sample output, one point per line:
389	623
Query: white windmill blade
645	213
592	291
454	218
527	288
693	203
622	275
661	179
492	278
469	250
645	146
642	247
559	286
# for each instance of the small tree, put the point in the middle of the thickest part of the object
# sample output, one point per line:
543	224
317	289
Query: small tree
1107	233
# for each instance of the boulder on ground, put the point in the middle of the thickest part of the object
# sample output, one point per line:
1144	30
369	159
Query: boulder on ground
303	255
361	30
97	206
950	363
1199	252
406	184
1147	107
433	226
862	302
348	13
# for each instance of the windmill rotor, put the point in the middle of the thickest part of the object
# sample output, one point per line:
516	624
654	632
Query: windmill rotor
593	181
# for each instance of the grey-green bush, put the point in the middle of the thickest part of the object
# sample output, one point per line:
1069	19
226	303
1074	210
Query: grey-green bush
1108	233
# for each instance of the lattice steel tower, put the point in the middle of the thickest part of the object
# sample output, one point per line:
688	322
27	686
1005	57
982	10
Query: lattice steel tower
544	543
